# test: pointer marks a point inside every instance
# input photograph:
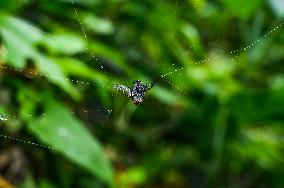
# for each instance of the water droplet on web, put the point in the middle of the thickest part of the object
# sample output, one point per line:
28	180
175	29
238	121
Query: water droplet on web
25	141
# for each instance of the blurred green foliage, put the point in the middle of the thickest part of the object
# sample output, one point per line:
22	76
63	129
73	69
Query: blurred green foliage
216	123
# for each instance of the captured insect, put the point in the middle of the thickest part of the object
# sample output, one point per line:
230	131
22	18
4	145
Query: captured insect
137	93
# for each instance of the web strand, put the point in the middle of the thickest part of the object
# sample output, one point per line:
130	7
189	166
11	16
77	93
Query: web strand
79	20
86	37
162	76
52	76
25	142
231	52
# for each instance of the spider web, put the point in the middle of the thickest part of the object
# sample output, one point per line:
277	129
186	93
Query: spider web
174	69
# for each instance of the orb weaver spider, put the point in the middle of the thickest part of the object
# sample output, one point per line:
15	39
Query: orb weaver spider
137	92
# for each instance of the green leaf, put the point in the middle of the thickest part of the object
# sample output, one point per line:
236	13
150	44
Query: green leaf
45	184
134	175
168	97
56	75
80	69
19	39
12	5
68	44
191	35
22	28
243	8
263	145
114	56
98	25
61	130
278	7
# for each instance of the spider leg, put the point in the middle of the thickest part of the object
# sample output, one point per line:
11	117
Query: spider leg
150	86
124	89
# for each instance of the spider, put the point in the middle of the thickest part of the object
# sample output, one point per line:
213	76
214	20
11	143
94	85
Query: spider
137	93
